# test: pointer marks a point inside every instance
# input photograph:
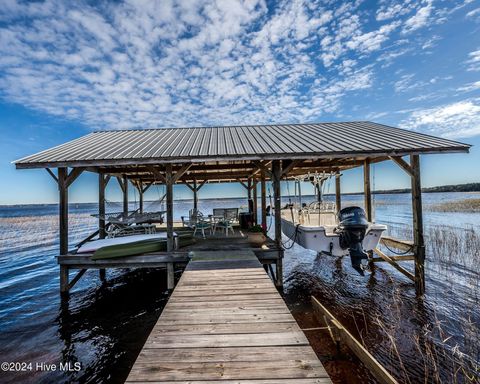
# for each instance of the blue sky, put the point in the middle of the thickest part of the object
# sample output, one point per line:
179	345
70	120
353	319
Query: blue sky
67	68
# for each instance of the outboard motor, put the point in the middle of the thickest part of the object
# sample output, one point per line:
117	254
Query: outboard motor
352	228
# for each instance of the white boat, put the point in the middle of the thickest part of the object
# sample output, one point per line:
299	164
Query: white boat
93	245
316	228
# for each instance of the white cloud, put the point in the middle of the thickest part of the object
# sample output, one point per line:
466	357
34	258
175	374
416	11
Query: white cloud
420	19
474	61
475	13
390	11
172	63
459	119
470	87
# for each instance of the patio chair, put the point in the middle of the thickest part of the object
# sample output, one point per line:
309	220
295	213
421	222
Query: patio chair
201	224
227	222
192	218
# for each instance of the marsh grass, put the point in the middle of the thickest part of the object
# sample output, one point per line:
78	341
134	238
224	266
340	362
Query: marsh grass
446	340
464	205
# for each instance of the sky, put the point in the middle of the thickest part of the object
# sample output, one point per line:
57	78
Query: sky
70	67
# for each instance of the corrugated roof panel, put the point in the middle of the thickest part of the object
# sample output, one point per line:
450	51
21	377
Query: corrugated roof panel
213	143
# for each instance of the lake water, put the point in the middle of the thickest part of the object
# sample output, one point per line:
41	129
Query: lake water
103	327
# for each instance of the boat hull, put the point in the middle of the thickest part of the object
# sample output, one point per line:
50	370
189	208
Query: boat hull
324	239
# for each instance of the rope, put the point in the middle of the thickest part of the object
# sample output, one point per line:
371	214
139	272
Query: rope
292	239
398	253
271	208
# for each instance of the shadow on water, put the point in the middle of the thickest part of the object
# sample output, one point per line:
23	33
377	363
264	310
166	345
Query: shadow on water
103	328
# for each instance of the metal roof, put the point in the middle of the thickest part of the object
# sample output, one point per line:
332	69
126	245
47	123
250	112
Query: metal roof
288	141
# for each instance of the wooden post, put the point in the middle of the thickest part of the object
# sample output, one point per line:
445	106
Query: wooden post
276	173
125	196
418	241
249	192
63	205
338	193
170	276
169	187
367	189
101	205
263	193
140	197
63	278
195	195
101	215
255	200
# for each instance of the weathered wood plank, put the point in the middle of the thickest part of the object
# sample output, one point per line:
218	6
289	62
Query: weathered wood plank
225	310
226	281
206	329
220	354
262	286
226	292
229	370
225	318
253	303
203	298
230	340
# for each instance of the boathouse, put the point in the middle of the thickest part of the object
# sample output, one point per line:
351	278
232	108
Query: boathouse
240	154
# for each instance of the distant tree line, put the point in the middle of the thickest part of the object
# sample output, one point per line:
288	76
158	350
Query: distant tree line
469	187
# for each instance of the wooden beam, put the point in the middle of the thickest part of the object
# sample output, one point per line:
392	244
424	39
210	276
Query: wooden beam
402	164
394	258
190	187
367	189
63	211
338	192
180	172
277	174
52	174
394	264
263	167
72	176
258	170
147	187
243	184
380	373
169	186
249	191
157	175
418	241
201	184
288	167
76	278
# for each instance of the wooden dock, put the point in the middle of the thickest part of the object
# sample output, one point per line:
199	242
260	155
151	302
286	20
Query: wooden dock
226	322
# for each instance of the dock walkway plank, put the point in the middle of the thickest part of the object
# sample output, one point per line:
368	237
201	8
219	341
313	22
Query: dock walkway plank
225	322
